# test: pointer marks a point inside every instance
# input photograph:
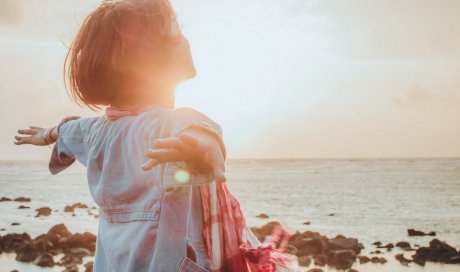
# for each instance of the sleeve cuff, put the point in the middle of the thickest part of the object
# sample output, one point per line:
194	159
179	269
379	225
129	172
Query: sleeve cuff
59	160
180	173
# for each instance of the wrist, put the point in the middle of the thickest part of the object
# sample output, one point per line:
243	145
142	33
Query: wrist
209	130
53	134
198	166
50	135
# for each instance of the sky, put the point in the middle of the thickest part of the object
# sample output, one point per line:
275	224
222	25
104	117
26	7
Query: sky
284	79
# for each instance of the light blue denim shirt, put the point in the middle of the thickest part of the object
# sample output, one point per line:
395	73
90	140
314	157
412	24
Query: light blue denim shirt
150	220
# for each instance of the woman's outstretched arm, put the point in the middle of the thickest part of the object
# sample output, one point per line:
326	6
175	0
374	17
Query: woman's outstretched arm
40	136
36	136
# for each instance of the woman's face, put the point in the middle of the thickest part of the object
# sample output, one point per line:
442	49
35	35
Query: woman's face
183	66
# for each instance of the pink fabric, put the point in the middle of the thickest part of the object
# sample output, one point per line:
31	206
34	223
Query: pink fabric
113	113
237	253
231	223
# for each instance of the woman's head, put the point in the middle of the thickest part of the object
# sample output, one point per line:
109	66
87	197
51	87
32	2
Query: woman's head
125	50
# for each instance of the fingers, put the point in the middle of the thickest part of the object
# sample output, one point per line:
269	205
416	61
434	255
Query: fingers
28	131
149	164
21	140
18	140
172	143
170	150
189	139
34	130
164	155
212	152
161	156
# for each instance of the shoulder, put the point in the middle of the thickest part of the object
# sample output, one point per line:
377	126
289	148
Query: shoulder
180	118
187	113
76	125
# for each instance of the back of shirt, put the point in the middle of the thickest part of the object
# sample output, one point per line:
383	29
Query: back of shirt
133	234
113	152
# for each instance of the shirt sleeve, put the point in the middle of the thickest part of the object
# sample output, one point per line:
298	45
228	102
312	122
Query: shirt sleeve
191	172
71	144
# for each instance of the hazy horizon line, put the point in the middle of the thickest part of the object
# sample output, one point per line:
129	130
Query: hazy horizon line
295	158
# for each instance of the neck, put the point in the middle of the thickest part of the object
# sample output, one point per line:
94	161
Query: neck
160	97
163	98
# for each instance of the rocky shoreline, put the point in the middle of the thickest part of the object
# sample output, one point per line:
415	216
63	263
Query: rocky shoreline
42	249
341	252
60	247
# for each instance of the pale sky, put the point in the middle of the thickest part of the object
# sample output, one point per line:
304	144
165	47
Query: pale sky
284	79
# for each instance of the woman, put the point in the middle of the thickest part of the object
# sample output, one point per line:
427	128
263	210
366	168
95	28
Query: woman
128	56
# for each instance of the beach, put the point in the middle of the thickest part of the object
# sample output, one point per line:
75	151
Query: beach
367	199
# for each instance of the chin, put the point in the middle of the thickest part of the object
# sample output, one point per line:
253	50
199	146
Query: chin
191	73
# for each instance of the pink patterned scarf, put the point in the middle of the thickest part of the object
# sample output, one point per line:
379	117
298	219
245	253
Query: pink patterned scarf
230	243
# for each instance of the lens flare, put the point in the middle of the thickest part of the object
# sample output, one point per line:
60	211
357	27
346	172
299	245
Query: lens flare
182	176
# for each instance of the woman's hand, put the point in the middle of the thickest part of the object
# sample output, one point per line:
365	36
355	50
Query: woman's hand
40	136
36	136
191	144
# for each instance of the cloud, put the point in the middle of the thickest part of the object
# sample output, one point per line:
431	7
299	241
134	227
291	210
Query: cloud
410	29
419	98
11	12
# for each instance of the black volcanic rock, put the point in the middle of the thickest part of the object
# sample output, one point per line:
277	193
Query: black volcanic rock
309	246
304	260
363	259
22	199
404	245
400	257
339	243
89	267
78	205
315	270
376	259
26	253
58	240
45	260
59	229
43	211
438	251
320	260
341	259
388	246
339	252
413	232
262	215
10	242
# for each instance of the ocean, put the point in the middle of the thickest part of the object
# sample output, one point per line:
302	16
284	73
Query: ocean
368	199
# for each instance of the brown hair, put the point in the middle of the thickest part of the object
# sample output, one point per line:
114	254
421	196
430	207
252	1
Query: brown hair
116	41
